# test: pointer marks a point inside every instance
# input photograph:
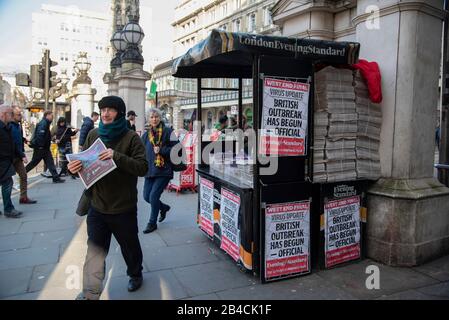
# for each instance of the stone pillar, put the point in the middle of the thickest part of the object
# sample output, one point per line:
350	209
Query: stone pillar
408	209
132	89
82	103
112	82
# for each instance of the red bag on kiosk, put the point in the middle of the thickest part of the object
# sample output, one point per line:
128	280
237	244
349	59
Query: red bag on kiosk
371	73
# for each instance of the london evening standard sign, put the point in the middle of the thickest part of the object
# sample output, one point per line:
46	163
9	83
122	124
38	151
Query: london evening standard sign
320	49
213	51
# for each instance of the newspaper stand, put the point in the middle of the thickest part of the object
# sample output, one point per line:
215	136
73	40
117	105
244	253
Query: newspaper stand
186	180
266	224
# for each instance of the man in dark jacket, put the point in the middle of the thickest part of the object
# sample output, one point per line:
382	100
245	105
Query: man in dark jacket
7	154
113	204
41	142
86	127
131	122
20	160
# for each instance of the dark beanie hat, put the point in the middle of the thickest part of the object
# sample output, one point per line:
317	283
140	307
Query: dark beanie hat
114	102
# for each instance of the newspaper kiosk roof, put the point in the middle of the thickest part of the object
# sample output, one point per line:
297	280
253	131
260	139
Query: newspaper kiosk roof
230	54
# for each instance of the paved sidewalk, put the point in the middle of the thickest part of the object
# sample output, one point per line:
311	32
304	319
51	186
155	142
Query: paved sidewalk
42	254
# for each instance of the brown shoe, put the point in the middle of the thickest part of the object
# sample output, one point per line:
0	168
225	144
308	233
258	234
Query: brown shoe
27	201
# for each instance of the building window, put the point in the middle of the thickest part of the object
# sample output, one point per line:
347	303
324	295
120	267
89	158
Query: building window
237	25
237	4
224	9
267	17
251	22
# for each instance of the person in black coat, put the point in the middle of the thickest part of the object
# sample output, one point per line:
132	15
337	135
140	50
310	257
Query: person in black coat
41	142
158	146
131	122
86	127
63	135
7	154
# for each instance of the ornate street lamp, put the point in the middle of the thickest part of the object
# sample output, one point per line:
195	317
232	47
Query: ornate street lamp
119	44
133	35
82	66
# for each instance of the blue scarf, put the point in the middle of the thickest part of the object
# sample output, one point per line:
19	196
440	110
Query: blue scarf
113	131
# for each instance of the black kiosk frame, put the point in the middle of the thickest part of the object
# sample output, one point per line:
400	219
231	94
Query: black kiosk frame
257	57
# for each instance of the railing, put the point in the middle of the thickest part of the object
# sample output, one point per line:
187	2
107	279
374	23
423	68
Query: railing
222	96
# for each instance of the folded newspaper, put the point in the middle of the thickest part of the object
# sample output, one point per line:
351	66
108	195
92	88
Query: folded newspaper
93	168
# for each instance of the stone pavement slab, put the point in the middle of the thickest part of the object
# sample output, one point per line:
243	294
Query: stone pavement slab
440	290
16	241
25	296
178	256
352	278
150	241
180	236
409	295
48	225
31	214
438	269
9	226
43	239
40	276
309	287
159	285
211	277
14	281
29	257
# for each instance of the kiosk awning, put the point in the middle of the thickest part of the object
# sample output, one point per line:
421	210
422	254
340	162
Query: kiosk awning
230	54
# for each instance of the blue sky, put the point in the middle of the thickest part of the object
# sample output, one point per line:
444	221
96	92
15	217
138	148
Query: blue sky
15	26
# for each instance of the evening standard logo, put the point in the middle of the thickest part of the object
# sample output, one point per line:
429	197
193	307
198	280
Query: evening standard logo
276	44
344	191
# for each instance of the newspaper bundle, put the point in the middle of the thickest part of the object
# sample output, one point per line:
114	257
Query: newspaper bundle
368	132
346	128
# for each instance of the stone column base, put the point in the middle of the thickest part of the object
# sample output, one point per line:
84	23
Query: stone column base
408	221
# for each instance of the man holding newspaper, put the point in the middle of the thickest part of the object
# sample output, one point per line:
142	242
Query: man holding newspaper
113	198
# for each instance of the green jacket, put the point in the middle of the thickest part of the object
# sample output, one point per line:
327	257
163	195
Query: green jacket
117	191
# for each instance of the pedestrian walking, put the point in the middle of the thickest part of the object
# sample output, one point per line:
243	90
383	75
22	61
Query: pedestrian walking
41	143
20	160
131	122
63	136
7	155
86	127
113	199
158	147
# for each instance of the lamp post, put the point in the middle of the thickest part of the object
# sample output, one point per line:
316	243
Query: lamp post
82	64
133	35
82	91
119	44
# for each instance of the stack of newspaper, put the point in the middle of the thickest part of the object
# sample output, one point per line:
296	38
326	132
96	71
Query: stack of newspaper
335	101
368	132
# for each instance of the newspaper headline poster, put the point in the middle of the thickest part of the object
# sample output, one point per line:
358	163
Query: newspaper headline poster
287	239
230	233
342	230
93	168
284	119
207	206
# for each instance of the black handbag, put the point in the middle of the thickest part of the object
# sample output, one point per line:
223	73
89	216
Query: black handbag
83	204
